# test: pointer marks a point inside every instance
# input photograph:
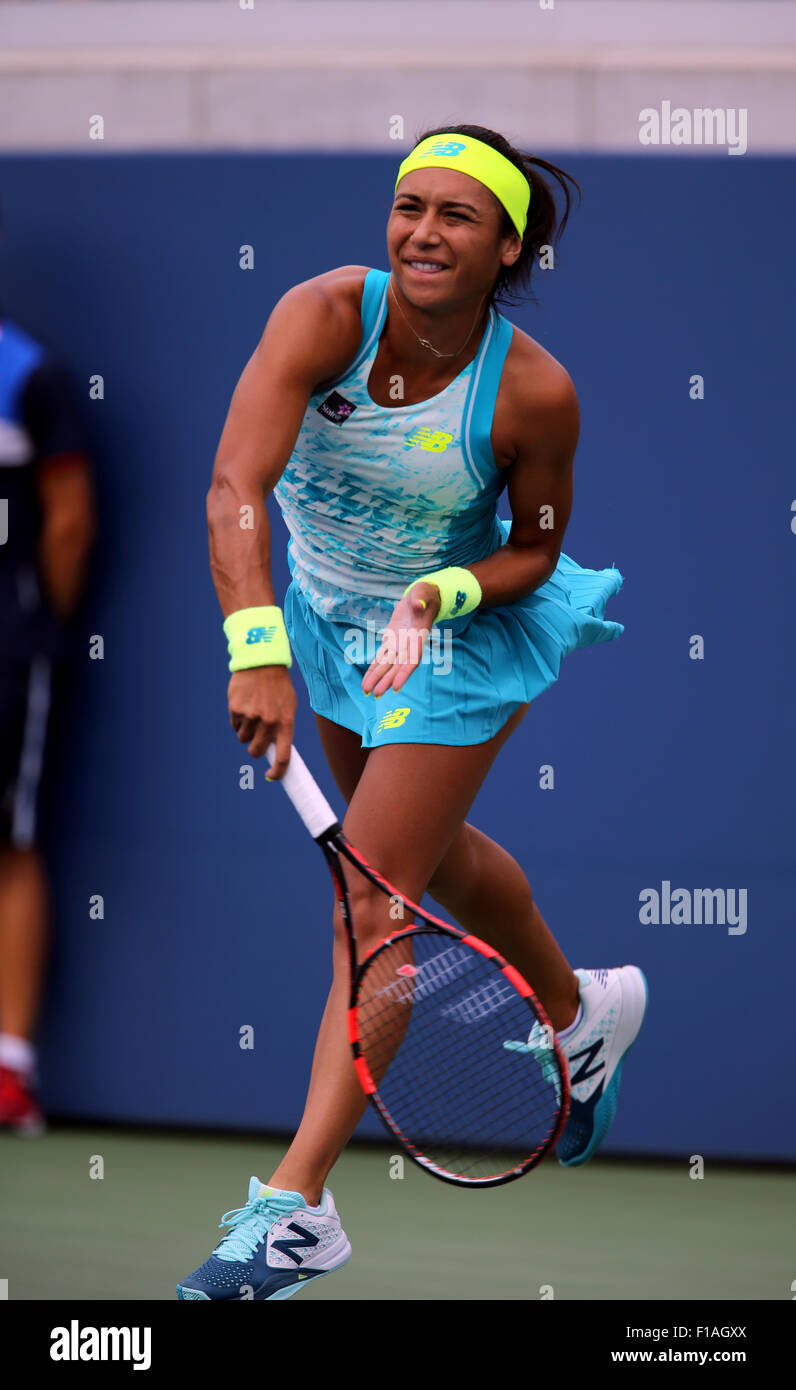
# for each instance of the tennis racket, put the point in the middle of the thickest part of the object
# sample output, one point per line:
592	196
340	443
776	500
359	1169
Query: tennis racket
450	1044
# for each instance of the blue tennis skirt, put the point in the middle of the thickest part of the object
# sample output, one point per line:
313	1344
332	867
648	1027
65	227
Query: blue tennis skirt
475	670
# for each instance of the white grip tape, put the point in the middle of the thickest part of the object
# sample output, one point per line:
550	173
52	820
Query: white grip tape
305	793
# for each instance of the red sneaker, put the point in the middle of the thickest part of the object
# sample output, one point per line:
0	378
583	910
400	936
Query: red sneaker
19	1109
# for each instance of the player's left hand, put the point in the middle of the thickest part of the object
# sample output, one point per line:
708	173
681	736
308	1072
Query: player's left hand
401	647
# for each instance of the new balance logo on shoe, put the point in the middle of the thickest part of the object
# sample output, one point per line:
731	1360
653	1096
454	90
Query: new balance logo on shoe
590	1054
289	1247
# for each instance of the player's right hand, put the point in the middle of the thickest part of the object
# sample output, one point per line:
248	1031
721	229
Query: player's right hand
262	709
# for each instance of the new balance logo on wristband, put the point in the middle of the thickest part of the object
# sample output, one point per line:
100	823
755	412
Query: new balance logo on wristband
461	598
259	634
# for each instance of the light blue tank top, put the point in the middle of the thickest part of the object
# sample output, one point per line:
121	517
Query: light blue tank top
374	497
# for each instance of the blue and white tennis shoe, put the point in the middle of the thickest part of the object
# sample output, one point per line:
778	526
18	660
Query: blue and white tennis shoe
614	1003
275	1246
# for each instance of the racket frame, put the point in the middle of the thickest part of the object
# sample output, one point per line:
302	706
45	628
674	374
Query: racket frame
334	844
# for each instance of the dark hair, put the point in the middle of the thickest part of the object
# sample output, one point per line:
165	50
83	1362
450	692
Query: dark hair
513	284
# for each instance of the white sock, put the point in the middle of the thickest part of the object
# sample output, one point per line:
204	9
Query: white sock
17	1054
576	1022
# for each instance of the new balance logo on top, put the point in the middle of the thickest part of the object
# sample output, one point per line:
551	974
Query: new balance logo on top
306	1241
433	441
590	1054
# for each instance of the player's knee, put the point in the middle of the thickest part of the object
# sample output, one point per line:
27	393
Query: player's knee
456	870
375	915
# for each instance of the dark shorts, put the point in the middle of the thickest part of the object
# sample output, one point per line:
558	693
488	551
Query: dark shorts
25	693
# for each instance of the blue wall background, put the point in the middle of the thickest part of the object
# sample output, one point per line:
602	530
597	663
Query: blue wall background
217	907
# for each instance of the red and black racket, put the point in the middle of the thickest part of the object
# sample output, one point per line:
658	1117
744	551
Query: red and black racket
450	1043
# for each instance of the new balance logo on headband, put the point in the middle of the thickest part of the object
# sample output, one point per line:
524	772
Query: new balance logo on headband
444	147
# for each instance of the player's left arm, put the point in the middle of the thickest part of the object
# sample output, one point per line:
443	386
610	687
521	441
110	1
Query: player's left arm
539	491
65	487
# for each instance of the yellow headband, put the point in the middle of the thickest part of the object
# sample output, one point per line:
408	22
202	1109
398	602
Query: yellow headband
481	162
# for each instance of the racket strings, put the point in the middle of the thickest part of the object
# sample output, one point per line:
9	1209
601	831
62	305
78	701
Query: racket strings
457	1107
473	1125
434	1016
382	1035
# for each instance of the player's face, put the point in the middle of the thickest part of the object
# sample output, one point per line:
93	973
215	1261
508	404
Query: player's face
444	237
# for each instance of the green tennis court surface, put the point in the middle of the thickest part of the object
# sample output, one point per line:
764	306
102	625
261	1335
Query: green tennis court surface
605	1231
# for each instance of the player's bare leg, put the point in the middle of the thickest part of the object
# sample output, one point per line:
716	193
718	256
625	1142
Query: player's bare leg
487	893
405	837
24	908
24	920
482	887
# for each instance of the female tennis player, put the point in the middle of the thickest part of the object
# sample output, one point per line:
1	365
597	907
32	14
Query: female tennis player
387	411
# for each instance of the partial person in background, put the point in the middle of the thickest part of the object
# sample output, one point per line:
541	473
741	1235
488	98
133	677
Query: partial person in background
47	526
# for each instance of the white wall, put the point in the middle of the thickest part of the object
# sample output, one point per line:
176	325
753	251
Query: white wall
207	74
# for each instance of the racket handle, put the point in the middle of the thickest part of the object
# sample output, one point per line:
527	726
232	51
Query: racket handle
305	794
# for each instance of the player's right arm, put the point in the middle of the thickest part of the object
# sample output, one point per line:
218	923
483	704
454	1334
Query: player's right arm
311	336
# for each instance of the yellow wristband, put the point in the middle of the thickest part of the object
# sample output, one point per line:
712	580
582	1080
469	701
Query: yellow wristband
257	637
459	591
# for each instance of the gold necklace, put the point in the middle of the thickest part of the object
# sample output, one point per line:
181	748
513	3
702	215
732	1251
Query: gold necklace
424	341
